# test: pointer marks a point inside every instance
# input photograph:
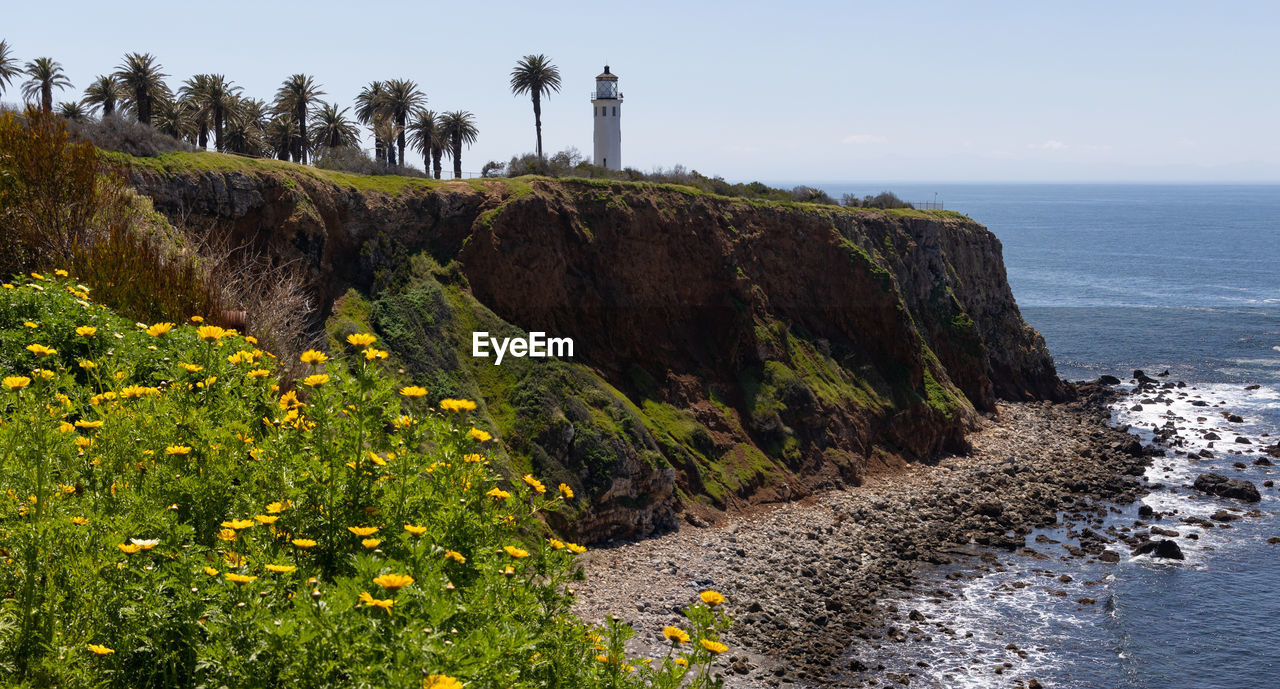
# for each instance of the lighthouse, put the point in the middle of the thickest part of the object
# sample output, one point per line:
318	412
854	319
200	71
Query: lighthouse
606	103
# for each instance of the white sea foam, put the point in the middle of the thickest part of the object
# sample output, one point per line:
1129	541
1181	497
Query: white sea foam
1059	635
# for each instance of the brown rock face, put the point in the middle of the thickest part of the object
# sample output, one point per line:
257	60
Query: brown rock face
743	351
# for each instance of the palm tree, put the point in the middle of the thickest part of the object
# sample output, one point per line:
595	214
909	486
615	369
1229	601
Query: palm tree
214	98
426	137
8	66
189	94
45	73
106	92
282	136
369	112
535	75
402	98
296	96
386	130
72	111
459	127
246	127
331	128
143	79
175	118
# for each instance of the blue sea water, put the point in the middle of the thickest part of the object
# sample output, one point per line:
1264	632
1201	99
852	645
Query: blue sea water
1118	277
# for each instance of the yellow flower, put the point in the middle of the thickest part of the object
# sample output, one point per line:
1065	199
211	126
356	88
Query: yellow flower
714	646
145	543
40	350
281	569
534	483
372	602
480	435
64	427
577	549
159	329
197	319
238	524
304	543
413	391
87	364
457	405
681	662
266	519
86	331
211	333
276	507
234	559
498	494
31	325
371	543
83	442
415	530
441	682
289	400
37	276
16	382
373	353
227	534
238	358
393	582
558	545
257	373
403	421
363	531
88	424
455	556
177	450
191	368
239	578
473	458
80	521
711	597
129	548
316	380
313	357
133	391
211	571
676	634
99	650
361	339
566	491
43	374
515	552
373	457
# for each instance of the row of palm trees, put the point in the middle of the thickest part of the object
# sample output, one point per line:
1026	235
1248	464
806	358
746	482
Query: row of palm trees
297	125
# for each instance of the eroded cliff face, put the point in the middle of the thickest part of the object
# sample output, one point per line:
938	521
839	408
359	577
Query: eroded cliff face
725	351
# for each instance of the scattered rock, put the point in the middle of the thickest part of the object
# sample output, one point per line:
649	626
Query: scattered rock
1162	548
1223	487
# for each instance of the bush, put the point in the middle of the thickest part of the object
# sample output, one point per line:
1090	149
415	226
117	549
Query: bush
883	200
115	133
354	160
53	197
173	518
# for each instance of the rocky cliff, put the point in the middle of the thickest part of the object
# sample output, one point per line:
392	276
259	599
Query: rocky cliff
726	351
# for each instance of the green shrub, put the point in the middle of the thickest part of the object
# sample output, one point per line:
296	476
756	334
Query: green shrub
172	518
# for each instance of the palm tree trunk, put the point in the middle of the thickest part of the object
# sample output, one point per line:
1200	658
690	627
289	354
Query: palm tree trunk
217	128
378	155
537	120
391	153
436	153
302	131
203	141
108	107
400	123
457	157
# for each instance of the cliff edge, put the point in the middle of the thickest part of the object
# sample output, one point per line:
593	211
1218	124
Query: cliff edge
726	351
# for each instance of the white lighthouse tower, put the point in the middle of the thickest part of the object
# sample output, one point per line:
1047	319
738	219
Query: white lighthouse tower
606	102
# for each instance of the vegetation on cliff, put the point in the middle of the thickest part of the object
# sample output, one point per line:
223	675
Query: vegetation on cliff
174	516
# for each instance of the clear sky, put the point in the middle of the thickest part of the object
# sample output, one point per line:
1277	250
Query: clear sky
800	91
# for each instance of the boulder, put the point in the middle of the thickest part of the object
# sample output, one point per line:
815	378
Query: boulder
1223	487
1162	548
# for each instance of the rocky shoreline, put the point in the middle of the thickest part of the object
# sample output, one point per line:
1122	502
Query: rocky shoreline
807	580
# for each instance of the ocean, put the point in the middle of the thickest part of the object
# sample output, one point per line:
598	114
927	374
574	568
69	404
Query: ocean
1183	278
